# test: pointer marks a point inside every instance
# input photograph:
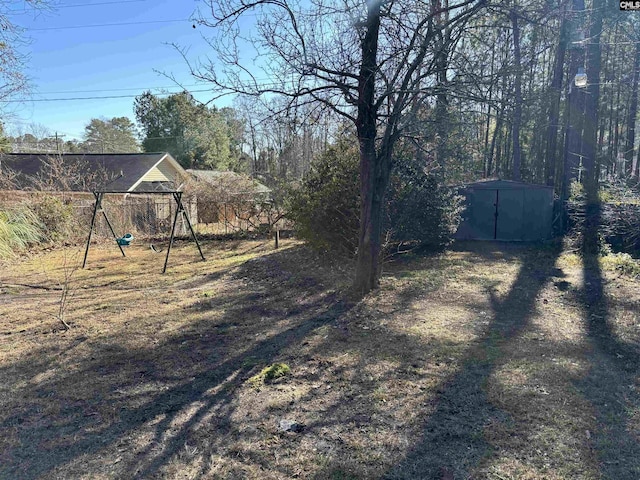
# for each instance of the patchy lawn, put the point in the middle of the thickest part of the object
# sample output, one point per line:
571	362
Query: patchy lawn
488	362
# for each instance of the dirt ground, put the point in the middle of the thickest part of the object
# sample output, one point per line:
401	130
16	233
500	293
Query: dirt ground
490	361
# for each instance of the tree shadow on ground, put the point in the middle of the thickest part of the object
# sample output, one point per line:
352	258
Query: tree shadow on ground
611	384
453	442
132	413
163	390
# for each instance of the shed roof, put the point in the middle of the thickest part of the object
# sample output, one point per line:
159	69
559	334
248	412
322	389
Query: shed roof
115	172
498	184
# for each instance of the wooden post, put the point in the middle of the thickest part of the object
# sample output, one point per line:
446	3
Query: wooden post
276	236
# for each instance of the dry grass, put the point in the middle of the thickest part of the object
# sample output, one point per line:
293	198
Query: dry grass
487	362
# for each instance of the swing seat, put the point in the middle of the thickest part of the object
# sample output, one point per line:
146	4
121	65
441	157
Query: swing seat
125	240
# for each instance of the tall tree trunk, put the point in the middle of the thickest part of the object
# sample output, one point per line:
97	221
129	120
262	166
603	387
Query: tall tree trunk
575	109
631	118
442	122
616	130
488	153
594	61
517	87
555	92
494	142
487	125
373	166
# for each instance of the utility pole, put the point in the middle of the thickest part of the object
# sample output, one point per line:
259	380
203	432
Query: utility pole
57	144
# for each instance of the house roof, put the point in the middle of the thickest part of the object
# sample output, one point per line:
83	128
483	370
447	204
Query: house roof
229	180
114	172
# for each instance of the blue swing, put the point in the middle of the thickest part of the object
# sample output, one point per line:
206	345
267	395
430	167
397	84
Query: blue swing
125	240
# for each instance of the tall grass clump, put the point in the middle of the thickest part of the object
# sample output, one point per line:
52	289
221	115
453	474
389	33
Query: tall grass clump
19	228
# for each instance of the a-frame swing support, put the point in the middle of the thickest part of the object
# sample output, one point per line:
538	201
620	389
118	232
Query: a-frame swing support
99	208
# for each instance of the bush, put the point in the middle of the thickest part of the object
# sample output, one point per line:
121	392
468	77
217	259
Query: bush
422	210
623	262
57	218
326	208
19	228
618	215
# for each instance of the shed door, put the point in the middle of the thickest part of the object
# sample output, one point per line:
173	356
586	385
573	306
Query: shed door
510	209
484	214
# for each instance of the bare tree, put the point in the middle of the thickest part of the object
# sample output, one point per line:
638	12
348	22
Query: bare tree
7	177
372	62
66	175
13	81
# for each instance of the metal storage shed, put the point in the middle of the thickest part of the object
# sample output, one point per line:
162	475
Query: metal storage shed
506	210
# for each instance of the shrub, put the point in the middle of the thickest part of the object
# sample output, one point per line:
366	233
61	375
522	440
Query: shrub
326	208
422	210
624	263
19	228
57	218
618	220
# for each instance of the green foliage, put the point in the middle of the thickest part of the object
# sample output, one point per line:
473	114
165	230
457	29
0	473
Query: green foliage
623	263
420	209
5	144
270	373
618	191
195	135
576	192
56	217
109	136
43	220
19	228
326	208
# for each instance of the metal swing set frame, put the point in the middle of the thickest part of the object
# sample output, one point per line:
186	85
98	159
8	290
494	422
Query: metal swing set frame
177	196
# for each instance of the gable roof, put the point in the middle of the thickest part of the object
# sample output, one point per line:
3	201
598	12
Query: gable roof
230	180
114	172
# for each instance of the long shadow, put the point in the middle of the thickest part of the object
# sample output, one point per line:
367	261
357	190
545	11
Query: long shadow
453	442
201	370
609	385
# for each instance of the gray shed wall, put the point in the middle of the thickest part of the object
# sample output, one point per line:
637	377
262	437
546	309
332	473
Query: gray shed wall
524	212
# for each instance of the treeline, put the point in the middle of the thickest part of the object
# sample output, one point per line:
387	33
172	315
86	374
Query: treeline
495	103
263	140
509	84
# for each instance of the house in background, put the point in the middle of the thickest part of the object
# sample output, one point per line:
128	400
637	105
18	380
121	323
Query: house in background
229	198
115	172
72	177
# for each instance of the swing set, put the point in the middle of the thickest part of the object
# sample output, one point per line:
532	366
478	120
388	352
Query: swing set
128	238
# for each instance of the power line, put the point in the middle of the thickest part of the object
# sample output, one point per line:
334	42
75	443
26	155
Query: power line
97	3
95	25
96	97
100	97
118	89
58	7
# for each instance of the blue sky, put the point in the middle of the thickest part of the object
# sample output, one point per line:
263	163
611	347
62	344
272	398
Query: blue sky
98	61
